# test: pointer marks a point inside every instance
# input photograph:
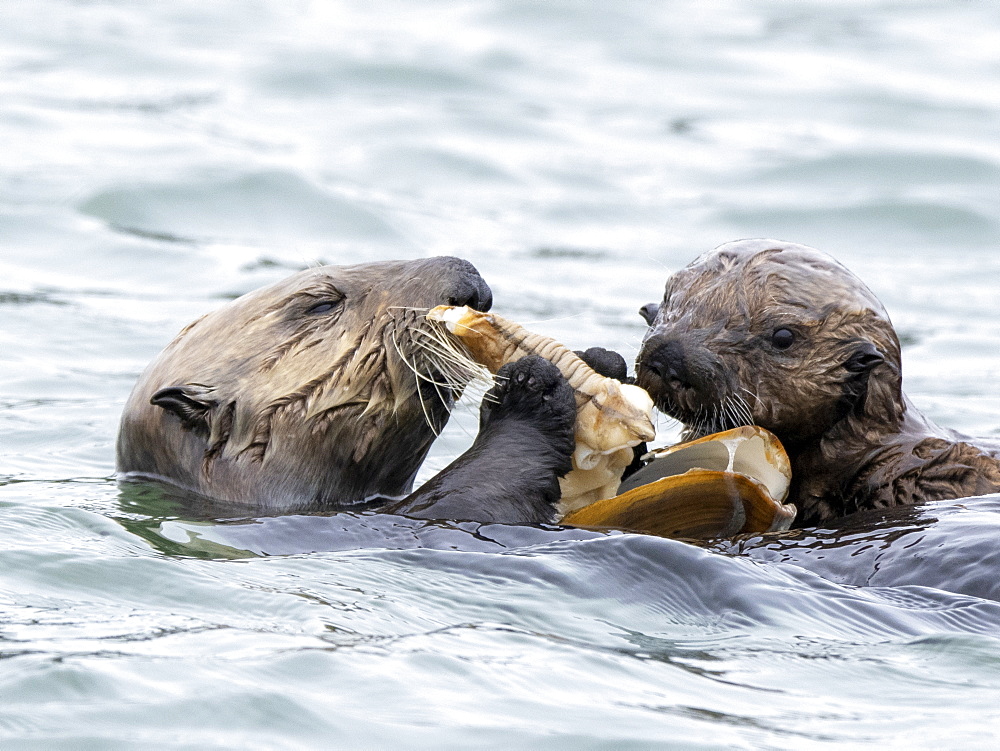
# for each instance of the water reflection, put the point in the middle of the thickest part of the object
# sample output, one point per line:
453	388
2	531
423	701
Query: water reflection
950	545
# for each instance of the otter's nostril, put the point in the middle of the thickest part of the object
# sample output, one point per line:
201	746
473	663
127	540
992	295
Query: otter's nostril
664	370
667	362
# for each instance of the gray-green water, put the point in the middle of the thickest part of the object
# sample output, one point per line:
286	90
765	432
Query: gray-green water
160	157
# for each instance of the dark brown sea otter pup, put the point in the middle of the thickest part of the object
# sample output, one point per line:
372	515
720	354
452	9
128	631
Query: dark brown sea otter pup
782	336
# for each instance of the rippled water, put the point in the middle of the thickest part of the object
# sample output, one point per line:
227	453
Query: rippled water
160	158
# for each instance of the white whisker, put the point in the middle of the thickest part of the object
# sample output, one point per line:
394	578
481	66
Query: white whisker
420	396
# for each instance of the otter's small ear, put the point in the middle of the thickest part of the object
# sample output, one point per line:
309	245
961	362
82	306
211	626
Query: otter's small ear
865	358
649	311
189	403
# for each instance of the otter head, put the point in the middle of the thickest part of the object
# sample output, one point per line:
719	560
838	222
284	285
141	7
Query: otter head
773	334
313	392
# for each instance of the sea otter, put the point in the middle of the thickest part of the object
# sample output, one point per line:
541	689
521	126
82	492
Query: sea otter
783	336
311	393
323	391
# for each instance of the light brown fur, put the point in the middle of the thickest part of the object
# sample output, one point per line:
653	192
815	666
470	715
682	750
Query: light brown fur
300	395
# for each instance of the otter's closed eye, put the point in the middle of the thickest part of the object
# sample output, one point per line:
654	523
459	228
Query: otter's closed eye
324	306
782	338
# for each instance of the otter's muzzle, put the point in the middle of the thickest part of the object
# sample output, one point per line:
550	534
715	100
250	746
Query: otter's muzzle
664	359
681	375
461	283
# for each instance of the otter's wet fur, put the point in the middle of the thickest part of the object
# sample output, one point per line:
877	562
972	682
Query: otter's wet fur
510	474
312	393
783	336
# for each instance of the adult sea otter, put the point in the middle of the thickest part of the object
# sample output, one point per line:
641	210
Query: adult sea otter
317	392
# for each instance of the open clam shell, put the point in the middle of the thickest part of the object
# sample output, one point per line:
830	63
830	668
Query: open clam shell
717	486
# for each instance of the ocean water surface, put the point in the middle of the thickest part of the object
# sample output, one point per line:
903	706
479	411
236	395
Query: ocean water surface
160	158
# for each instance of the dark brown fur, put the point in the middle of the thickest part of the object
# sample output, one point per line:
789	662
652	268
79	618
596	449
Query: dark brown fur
510	474
300	395
714	358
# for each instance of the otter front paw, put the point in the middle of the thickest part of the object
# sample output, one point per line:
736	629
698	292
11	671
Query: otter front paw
531	388
607	362
510	474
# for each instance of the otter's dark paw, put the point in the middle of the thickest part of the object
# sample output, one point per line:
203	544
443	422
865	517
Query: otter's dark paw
510	474
606	362
531	387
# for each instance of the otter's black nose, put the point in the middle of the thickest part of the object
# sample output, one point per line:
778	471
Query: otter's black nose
666	360
475	293
465	286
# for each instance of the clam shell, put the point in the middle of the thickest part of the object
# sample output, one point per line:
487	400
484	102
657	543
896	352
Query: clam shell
717	486
612	417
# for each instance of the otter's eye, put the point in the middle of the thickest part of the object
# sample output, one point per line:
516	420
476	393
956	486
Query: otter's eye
782	338
324	306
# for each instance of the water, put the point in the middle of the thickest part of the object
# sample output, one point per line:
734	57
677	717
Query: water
160	158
